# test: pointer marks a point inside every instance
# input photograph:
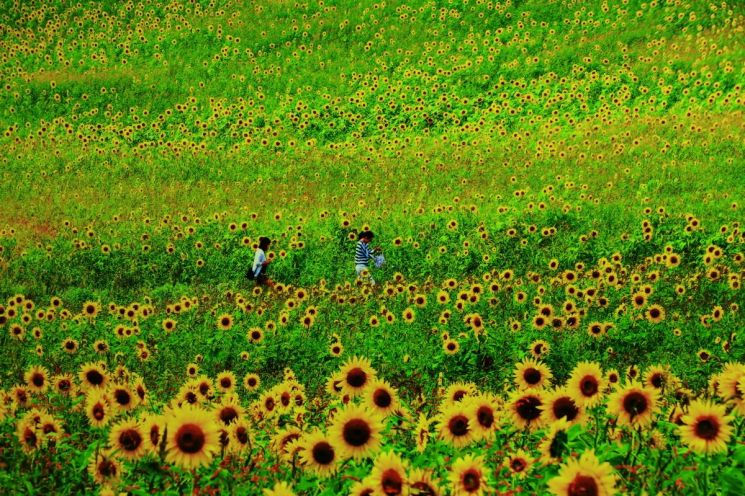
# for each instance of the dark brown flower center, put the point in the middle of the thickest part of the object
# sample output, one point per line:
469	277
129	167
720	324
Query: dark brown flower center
107	469
323	453
94	377
471	480
382	398
518	465
589	385
458	425
228	414
391	482
130	439
583	485
190	438
528	408
356	432
657	380
122	397
37	379
706	428
155	435
242	435
635	403
532	376
356	377
29	437
564	407
98	412
485	416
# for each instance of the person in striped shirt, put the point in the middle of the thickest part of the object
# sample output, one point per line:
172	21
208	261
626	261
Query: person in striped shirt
362	256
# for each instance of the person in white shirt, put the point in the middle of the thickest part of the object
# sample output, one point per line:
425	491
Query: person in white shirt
260	263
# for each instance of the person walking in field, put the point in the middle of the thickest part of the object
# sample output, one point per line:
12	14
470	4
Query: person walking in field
362	256
261	262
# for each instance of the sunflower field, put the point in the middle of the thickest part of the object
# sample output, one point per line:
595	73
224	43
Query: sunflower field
557	187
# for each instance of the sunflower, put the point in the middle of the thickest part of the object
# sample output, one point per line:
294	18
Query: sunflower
519	463
450	347
128	439
586	383
531	374
468	476
240	435
365	487
596	329
633	404
657	376
169	325
539	348
225	322
18	331
192	437
279	489
526	408
727	387
122	397
153	428
455	425
421	432
336	349
29	436
380	397
584	476
104	467
251	381
91	309
226	381
255	335
319	453
21	396
655	314
409	315
228	410
357	374
356	431
639	300
484	415
553	447
283	438
98	409
459	391
93	376
64	384
37	379
101	347
706	429
560	404
268	403
423	483
389	474
70	345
